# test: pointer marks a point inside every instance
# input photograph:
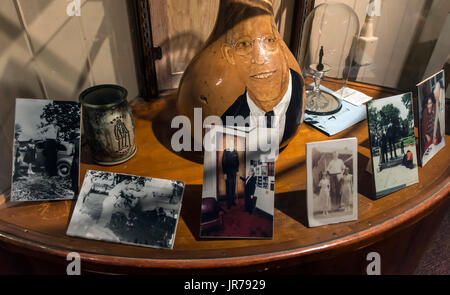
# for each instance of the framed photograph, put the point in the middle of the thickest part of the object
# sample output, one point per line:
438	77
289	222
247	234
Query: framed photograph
264	170
332	181
235	203
392	143
431	105
265	185
127	209
46	151
271	169
260	181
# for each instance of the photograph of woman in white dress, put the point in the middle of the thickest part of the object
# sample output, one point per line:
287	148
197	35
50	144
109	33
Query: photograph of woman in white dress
347	190
324	195
331	170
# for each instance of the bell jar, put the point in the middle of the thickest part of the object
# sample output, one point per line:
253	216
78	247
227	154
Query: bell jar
329	39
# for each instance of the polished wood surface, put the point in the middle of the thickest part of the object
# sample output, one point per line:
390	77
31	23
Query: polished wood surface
38	229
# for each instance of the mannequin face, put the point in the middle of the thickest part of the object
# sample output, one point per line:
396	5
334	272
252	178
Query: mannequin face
256	53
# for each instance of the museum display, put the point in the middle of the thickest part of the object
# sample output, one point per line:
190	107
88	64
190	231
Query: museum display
217	208
392	143
332	181
326	52
108	124
46	151
233	181
245	71
127	209
431	105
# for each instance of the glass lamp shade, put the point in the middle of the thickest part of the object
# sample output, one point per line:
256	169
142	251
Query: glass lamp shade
326	53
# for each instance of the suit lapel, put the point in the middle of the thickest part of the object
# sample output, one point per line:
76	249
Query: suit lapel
238	108
293	113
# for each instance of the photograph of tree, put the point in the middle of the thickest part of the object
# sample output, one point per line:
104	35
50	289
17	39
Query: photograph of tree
46	150
393	144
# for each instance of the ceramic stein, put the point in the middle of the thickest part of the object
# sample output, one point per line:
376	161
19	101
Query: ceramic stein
108	124
245	69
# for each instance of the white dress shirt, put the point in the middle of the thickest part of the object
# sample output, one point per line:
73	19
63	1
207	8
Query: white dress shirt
336	166
258	118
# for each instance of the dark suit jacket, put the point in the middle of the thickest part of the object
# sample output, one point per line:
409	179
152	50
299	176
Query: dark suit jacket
250	186
230	162
293	113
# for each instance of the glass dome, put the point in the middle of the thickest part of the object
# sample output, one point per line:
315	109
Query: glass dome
326	53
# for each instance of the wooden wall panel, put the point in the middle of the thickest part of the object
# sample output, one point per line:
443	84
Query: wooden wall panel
107	32
283	11
189	24
180	28
407	30
431	21
17	79
394	29
44	53
401	45
59	58
441	53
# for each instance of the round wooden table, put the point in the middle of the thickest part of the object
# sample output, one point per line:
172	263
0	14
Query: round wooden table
397	226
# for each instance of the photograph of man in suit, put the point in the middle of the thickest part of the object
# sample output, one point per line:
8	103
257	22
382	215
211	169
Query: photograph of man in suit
250	187
230	167
273	95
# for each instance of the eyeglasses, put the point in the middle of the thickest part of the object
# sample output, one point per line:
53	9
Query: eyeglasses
245	46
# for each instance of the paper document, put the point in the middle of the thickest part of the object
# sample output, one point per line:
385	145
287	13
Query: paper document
352	96
348	116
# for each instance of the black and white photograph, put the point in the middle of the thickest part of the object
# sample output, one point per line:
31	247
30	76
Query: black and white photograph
392	143
46	153
332	181
237	201
127	209
431	105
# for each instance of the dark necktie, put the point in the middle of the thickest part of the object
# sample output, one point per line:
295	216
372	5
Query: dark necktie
269	117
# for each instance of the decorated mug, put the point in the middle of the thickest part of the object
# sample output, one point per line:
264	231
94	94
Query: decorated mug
108	124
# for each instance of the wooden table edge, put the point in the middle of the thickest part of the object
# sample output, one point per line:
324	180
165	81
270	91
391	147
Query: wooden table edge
362	238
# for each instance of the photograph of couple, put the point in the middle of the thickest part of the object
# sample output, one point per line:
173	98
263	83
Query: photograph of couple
234	203
431	102
331	181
